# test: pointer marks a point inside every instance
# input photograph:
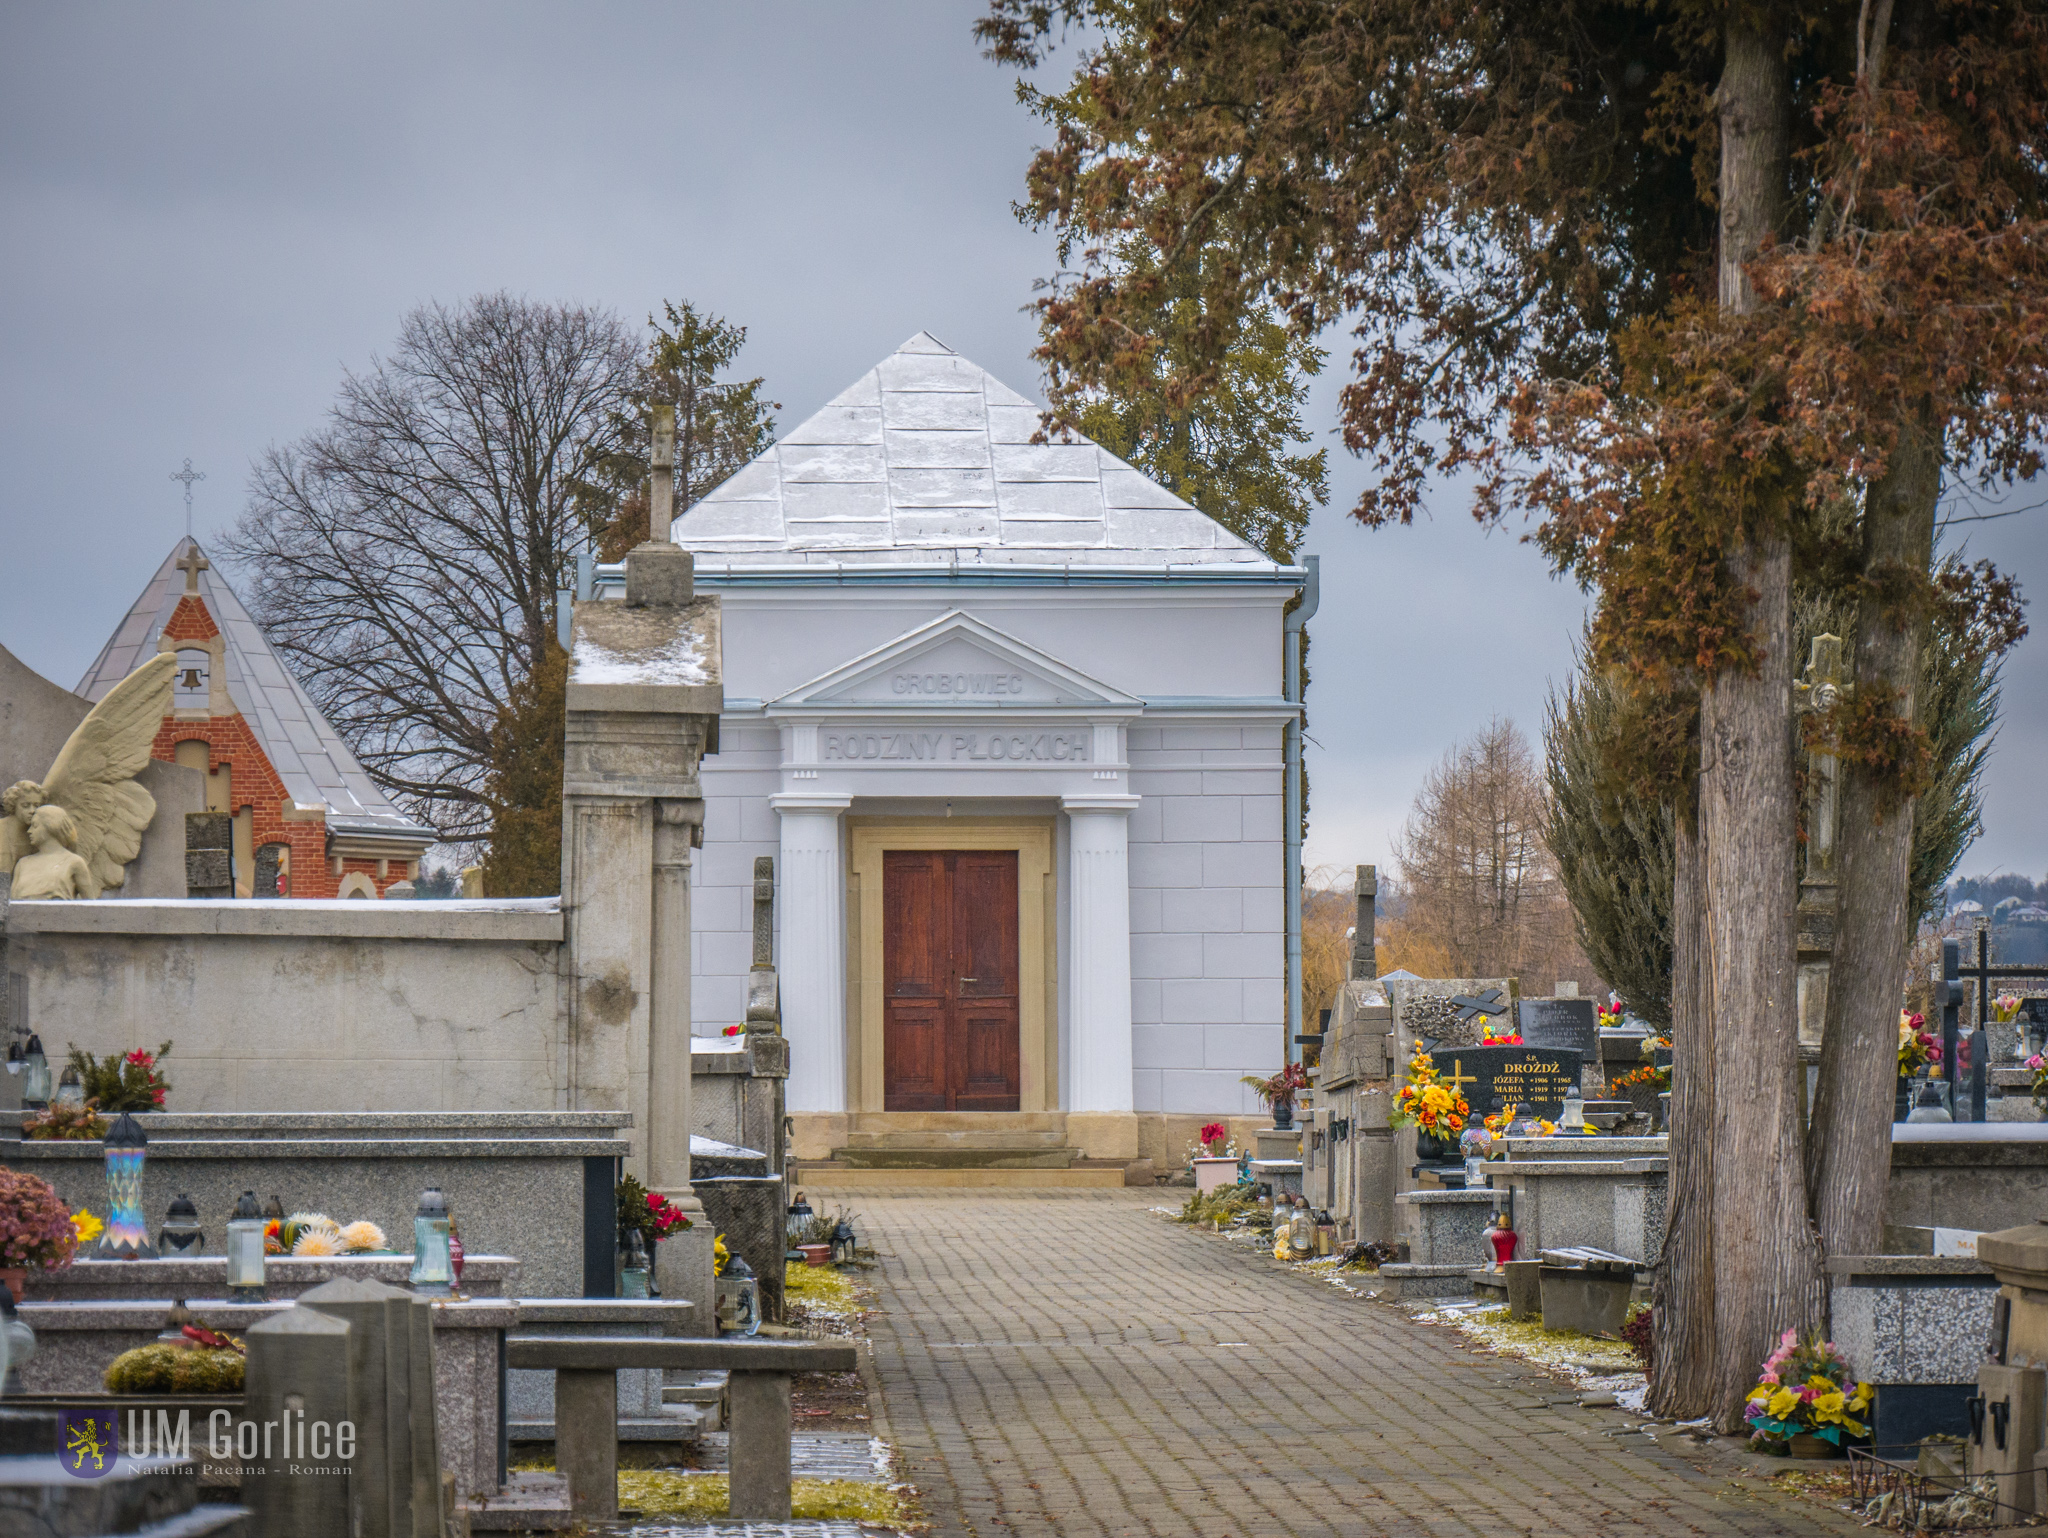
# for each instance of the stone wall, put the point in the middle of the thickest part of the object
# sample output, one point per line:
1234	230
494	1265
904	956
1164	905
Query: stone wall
307	1005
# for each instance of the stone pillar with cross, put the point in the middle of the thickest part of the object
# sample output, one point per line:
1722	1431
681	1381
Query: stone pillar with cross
632	813
1817	692
1364	956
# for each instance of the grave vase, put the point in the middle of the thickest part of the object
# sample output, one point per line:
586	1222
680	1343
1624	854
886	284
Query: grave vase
1283	1115
1805	1446
1437	1149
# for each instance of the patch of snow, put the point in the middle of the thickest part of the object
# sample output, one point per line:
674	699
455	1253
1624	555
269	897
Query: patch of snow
679	662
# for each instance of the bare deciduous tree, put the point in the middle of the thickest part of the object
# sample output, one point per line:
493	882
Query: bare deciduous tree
405	557
1476	875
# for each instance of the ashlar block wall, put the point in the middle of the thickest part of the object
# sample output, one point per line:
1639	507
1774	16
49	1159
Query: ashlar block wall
1208	945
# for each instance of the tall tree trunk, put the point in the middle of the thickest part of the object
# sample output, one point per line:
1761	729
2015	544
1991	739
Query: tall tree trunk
1681	1381
1849	1149
1767	1267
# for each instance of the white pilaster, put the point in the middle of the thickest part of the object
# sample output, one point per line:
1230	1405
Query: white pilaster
1099	898
812	957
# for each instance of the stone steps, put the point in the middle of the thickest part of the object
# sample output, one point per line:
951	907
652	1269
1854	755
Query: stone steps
817	1176
939	1139
997	1156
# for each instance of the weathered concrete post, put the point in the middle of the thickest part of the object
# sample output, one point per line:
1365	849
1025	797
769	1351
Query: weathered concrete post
1364	953
380	1399
296	1424
643	701
759	1457
428	1518
587	1440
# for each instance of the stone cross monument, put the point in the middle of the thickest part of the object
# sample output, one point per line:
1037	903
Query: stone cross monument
644	695
764	994
1364	959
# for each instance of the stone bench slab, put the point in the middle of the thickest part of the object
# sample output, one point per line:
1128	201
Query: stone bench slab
601	1353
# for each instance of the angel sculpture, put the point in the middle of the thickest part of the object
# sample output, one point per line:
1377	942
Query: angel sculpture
74	834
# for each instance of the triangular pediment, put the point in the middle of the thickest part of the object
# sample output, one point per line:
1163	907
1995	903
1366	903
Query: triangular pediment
955	661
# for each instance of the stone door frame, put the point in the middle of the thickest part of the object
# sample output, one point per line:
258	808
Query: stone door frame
1037	960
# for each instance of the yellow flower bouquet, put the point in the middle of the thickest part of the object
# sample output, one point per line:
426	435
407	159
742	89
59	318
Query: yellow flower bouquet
1427	1103
1807	1388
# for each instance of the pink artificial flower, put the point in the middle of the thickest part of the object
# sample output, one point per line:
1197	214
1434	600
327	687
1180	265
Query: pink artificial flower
732	1030
2034	1062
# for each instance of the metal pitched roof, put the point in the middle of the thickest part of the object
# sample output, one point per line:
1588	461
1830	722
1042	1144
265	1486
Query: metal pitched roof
930	455
315	764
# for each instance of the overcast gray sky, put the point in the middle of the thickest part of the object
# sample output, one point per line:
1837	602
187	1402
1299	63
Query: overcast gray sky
211	210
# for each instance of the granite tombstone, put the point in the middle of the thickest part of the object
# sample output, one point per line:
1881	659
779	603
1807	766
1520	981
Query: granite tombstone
1531	1079
1567	1023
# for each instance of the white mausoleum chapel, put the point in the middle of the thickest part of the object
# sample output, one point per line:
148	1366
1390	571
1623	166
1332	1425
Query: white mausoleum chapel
1011	718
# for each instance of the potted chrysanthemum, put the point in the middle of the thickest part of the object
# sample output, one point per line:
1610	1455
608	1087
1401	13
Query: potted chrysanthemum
36	1229
1807	1399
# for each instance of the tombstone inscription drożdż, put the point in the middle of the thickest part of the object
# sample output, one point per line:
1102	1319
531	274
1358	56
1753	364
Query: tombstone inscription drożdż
1492	1078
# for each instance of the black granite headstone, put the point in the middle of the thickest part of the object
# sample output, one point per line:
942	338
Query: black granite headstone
1533	1079
1571	1023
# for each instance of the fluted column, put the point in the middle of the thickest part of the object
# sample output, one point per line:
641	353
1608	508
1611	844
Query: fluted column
812	963
1099	952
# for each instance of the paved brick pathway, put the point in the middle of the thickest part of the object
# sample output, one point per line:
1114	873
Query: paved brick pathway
1071	1364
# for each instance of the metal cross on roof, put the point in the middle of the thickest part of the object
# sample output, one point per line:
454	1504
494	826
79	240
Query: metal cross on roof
1491	1002
188	475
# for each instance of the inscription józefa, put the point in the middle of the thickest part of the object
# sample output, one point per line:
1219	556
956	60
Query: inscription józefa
953	685
955	747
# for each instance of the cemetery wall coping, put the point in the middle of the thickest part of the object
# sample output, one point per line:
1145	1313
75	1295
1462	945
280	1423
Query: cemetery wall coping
257	1124
1473	1195
133	1282
1644	1166
1904	1267
492	921
334	1148
607	1311
1587	1148
1988	1151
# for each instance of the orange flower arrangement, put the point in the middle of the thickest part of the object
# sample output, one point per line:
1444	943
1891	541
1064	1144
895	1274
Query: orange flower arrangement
1427	1103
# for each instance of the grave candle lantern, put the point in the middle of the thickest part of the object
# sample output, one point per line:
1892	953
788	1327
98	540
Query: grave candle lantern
70	1088
127	1236
245	1250
433	1270
35	1080
633	1274
798	1222
739	1299
843	1243
181	1233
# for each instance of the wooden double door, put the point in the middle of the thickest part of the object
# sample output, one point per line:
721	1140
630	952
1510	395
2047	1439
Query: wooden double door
949	980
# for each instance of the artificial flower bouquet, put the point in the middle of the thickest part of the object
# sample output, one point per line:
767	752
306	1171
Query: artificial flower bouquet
1608	1015
1213	1142
1650	1072
2006	1008
649	1211
1278	1089
1806	1389
1427	1103
1917	1045
315	1236
118	1082
1503	1036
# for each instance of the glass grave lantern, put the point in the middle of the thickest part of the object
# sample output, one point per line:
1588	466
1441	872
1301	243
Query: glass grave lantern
739	1299
797	1225
245	1250
35	1078
843	1242
127	1233
70	1088
21	1342
1928	1105
181	1233
433	1268
633	1272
